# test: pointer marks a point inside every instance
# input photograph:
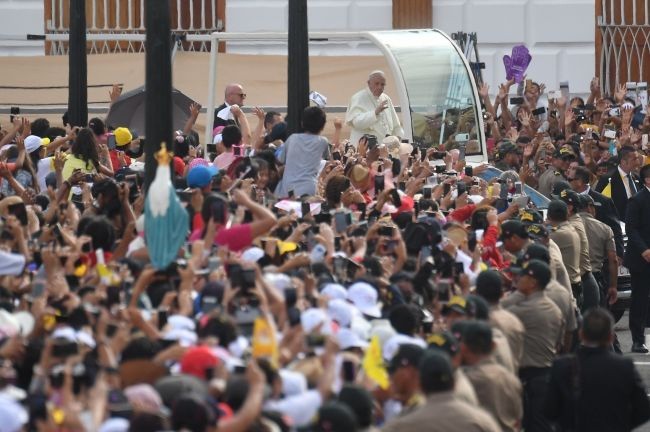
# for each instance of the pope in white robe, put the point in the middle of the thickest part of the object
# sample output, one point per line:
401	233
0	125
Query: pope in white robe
371	111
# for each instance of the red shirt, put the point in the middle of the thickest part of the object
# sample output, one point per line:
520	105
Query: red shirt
236	238
179	166
114	160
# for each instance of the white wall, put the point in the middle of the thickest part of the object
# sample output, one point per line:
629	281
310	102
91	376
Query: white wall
19	18
559	33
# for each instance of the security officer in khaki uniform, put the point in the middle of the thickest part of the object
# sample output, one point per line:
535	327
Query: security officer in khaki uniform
508	157
540	234
474	307
543	322
442	411
404	377
537	232
489	285
499	391
556	292
555	173
567	239
590	290
602	249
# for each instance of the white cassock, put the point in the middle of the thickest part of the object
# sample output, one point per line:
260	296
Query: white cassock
361	117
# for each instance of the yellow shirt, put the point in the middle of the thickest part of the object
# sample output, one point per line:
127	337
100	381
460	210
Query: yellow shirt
73	163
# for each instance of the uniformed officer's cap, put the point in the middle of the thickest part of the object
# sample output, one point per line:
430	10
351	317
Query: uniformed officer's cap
537	231
406	355
564	153
477	336
477	307
513	227
559	186
436	371
444	341
536	269
528	216
456	304
508	147
586	200
537	251
570	197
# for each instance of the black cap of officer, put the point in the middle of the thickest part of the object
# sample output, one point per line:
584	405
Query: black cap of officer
529	215
538	270
559	186
537	251
406	355
513	227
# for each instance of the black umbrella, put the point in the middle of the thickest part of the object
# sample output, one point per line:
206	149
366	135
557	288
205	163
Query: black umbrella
128	110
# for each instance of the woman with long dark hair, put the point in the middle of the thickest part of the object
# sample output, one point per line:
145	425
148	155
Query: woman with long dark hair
84	156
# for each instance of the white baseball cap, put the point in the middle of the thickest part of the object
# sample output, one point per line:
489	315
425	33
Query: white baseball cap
347	338
334	291
340	311
390	348
312	318
293	383
364	297
252	254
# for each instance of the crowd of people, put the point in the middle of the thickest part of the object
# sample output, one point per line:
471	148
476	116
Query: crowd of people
355	284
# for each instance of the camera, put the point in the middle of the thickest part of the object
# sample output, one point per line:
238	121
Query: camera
371	140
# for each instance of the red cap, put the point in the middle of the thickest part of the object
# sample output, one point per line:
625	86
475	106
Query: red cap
197	360
407	205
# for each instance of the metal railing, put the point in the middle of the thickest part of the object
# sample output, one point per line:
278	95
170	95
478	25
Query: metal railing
622	42
127	17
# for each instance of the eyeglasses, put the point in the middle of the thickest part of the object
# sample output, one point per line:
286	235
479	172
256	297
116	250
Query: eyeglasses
242	95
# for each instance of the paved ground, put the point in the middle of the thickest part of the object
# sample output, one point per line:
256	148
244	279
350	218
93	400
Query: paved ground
642	361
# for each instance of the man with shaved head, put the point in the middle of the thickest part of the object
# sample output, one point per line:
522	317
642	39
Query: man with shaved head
233	95
371	111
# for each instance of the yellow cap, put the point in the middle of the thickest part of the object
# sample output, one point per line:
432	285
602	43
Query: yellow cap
122	136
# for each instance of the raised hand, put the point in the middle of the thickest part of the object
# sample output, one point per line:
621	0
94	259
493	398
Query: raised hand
619	95
235	110
115	92
382	106
626	117
503	92
512	134
528	151
484	91
26	128
594	86
195	109
569	118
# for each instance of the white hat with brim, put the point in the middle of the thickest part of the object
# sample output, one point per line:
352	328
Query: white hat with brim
364	297
313	318
391	346
347	339
334	291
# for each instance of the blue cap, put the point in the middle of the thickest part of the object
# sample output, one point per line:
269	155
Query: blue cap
200	176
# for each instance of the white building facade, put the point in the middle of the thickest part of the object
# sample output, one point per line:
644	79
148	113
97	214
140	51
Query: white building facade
559	33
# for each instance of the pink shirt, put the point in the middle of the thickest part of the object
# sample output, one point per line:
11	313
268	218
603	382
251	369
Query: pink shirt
236	238
224	160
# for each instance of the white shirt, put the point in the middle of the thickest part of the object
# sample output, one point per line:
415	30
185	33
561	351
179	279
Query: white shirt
629	189
301	408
